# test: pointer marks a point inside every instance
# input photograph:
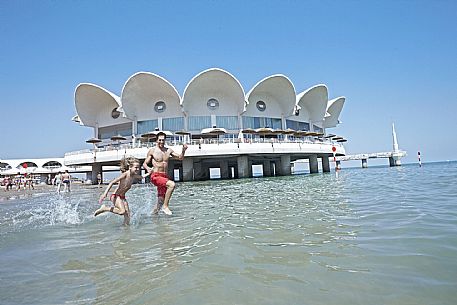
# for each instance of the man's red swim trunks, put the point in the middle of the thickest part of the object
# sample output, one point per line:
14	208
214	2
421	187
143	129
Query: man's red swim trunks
160	180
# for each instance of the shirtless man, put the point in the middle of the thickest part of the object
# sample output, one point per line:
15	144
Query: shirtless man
66	180
159	155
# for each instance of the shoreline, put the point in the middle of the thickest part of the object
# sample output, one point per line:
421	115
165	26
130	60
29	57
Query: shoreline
40	190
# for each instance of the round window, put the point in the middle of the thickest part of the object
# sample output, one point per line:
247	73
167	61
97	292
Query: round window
115	113
160	106
261	105
212	104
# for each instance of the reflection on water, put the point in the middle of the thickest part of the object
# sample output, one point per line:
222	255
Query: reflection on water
364	236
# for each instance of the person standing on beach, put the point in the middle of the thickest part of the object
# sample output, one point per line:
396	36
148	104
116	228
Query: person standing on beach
129	168
159	156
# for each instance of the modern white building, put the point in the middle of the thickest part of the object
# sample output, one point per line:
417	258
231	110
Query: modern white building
294	124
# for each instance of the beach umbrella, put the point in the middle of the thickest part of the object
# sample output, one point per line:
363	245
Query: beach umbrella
182	133
149	135
214	131
248	131
289	131
93	141
118	137
301	133
264	131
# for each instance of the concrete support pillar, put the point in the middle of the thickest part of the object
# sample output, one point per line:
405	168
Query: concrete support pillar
313	165
364	163
96	168
171	169
187	169
266	168
223	165
394	161
205	172
325	164
285	165
338	164
198	171
243	166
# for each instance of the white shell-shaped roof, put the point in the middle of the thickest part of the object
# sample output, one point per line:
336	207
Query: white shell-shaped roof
143	90
94	105
313	103
216	84
334	108
278	94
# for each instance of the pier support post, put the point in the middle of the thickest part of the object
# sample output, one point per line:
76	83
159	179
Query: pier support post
243	166
325	164
205	172
96	168
285	165
394	161
364	163
266	168
223	165
171	169
313	165
187	169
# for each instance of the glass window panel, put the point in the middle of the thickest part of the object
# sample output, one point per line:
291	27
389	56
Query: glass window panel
227	122
199	122
173	124
146	126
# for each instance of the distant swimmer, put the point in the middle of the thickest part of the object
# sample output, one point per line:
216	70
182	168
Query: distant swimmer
130	167
159	156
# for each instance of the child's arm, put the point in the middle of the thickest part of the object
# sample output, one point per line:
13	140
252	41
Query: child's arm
103	196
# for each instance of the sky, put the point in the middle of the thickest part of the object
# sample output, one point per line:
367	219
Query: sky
394	61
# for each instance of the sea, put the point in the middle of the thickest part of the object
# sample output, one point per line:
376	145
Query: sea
380	235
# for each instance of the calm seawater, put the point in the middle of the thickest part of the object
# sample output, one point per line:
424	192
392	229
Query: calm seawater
365	236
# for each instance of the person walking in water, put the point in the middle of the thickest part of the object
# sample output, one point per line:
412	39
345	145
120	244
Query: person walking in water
66	180
159	156
129	168
58	181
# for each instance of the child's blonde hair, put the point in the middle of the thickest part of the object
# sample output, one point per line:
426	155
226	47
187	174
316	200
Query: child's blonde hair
128	162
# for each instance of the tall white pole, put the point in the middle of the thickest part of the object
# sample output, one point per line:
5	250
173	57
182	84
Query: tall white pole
394	135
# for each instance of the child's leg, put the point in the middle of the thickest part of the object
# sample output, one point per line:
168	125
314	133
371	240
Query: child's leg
118	207
127	213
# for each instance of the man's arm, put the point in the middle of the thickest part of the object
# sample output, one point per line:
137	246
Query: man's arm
181	156
147	160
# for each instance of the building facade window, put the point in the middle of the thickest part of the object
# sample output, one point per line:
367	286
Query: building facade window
146	126
227	122
318	129
259	122
261	106
173	124
107	132
212	104
199	122
160	106
115	113
296	125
